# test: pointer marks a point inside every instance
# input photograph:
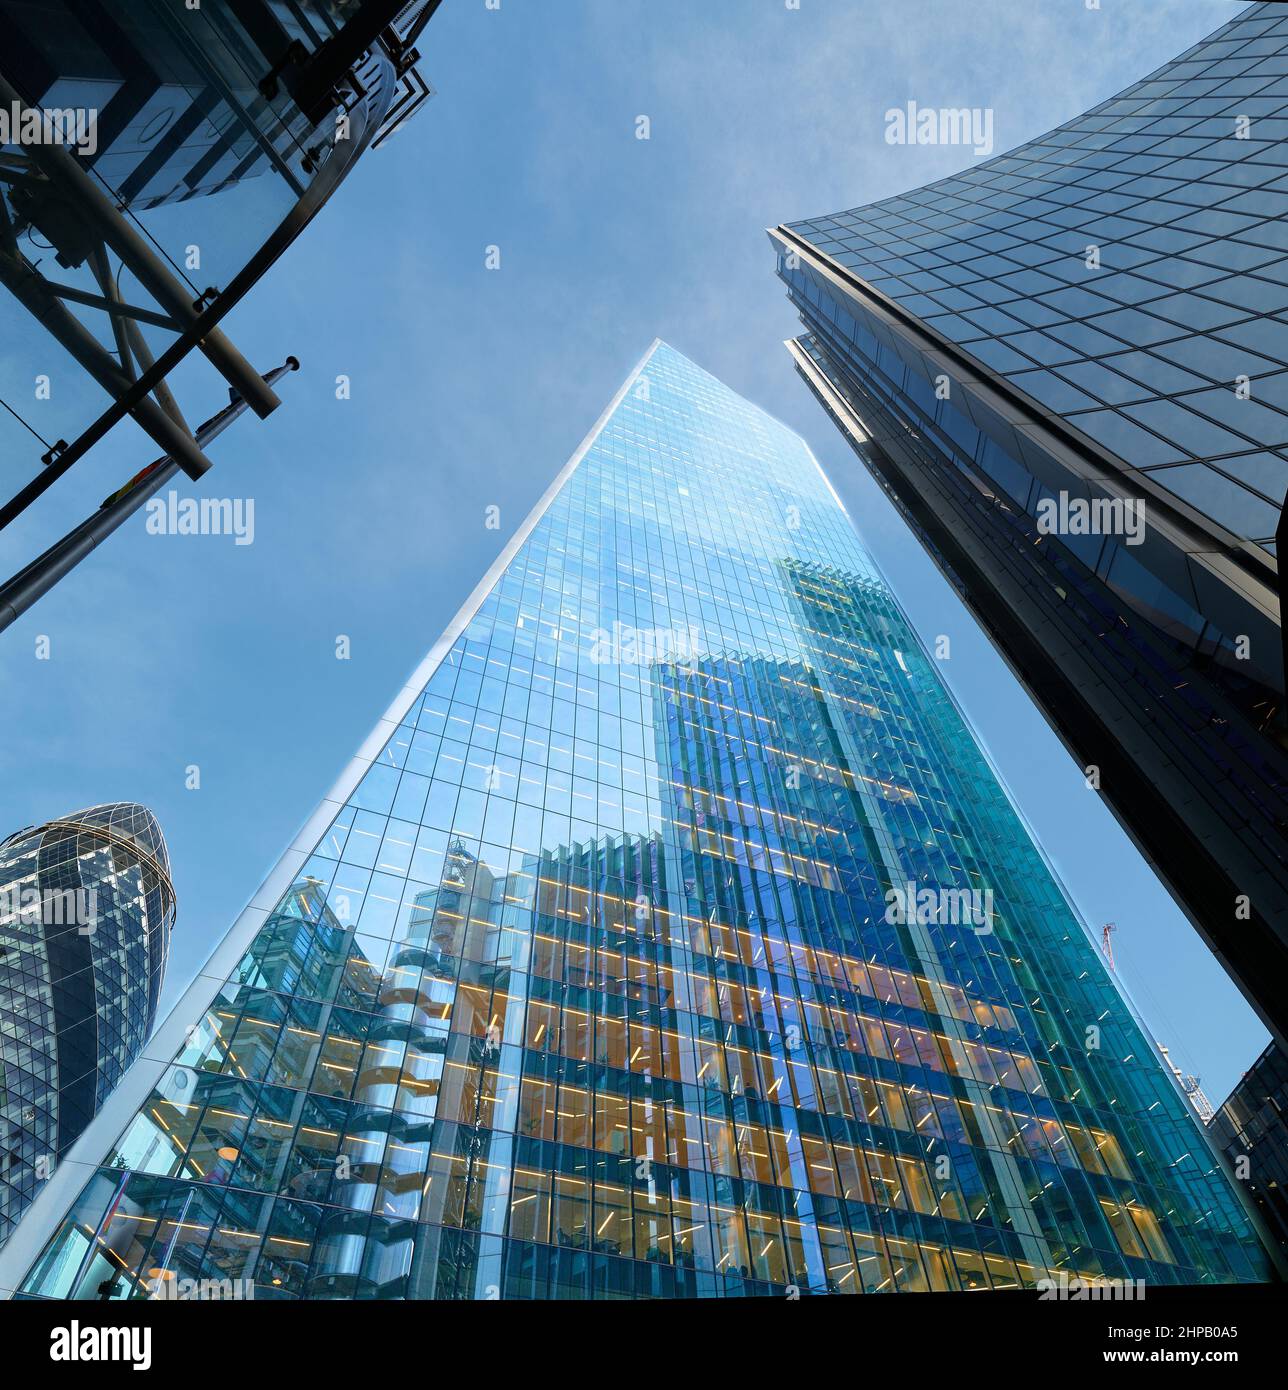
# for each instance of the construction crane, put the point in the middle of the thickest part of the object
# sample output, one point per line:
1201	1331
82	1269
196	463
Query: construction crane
1203	1107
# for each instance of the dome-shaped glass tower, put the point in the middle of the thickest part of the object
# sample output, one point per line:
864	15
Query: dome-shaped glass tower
86	910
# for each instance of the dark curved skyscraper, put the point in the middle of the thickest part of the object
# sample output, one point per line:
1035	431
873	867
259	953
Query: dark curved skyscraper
86	910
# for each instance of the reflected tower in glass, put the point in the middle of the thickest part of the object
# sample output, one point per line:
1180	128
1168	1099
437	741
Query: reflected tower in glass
86	911
597	975
1068	368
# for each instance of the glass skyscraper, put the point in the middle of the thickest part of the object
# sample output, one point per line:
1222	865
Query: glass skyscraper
86	911
1068	367
671	936
1251	1129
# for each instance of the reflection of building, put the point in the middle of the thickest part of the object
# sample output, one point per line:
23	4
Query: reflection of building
266	103
86	910
1251	1129
395	1088
303	949
612	1007
448	918
1094	319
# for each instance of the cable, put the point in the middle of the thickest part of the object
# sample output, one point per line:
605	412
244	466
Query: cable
24	424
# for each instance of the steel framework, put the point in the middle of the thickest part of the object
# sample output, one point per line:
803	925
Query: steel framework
364	69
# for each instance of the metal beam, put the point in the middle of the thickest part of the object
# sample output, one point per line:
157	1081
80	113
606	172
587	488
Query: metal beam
165	397
367	121
102	270
120	306
37	578
61	167
314	82
29	289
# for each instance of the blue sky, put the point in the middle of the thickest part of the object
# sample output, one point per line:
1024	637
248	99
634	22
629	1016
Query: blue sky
470	387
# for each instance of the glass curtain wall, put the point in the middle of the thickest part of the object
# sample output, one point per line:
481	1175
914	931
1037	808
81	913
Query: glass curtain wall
679	942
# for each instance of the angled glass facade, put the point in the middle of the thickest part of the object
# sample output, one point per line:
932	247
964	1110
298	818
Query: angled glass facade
1098	320
1252	1131
672	937
86	910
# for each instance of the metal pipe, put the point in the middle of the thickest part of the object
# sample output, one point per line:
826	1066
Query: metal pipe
367	120
102	269
97	301
37	578
61	166
165	397
28	288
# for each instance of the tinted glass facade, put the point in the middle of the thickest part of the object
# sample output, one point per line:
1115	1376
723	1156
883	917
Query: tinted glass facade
1100	318
1181	183
593	980
86	910
1251	1129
